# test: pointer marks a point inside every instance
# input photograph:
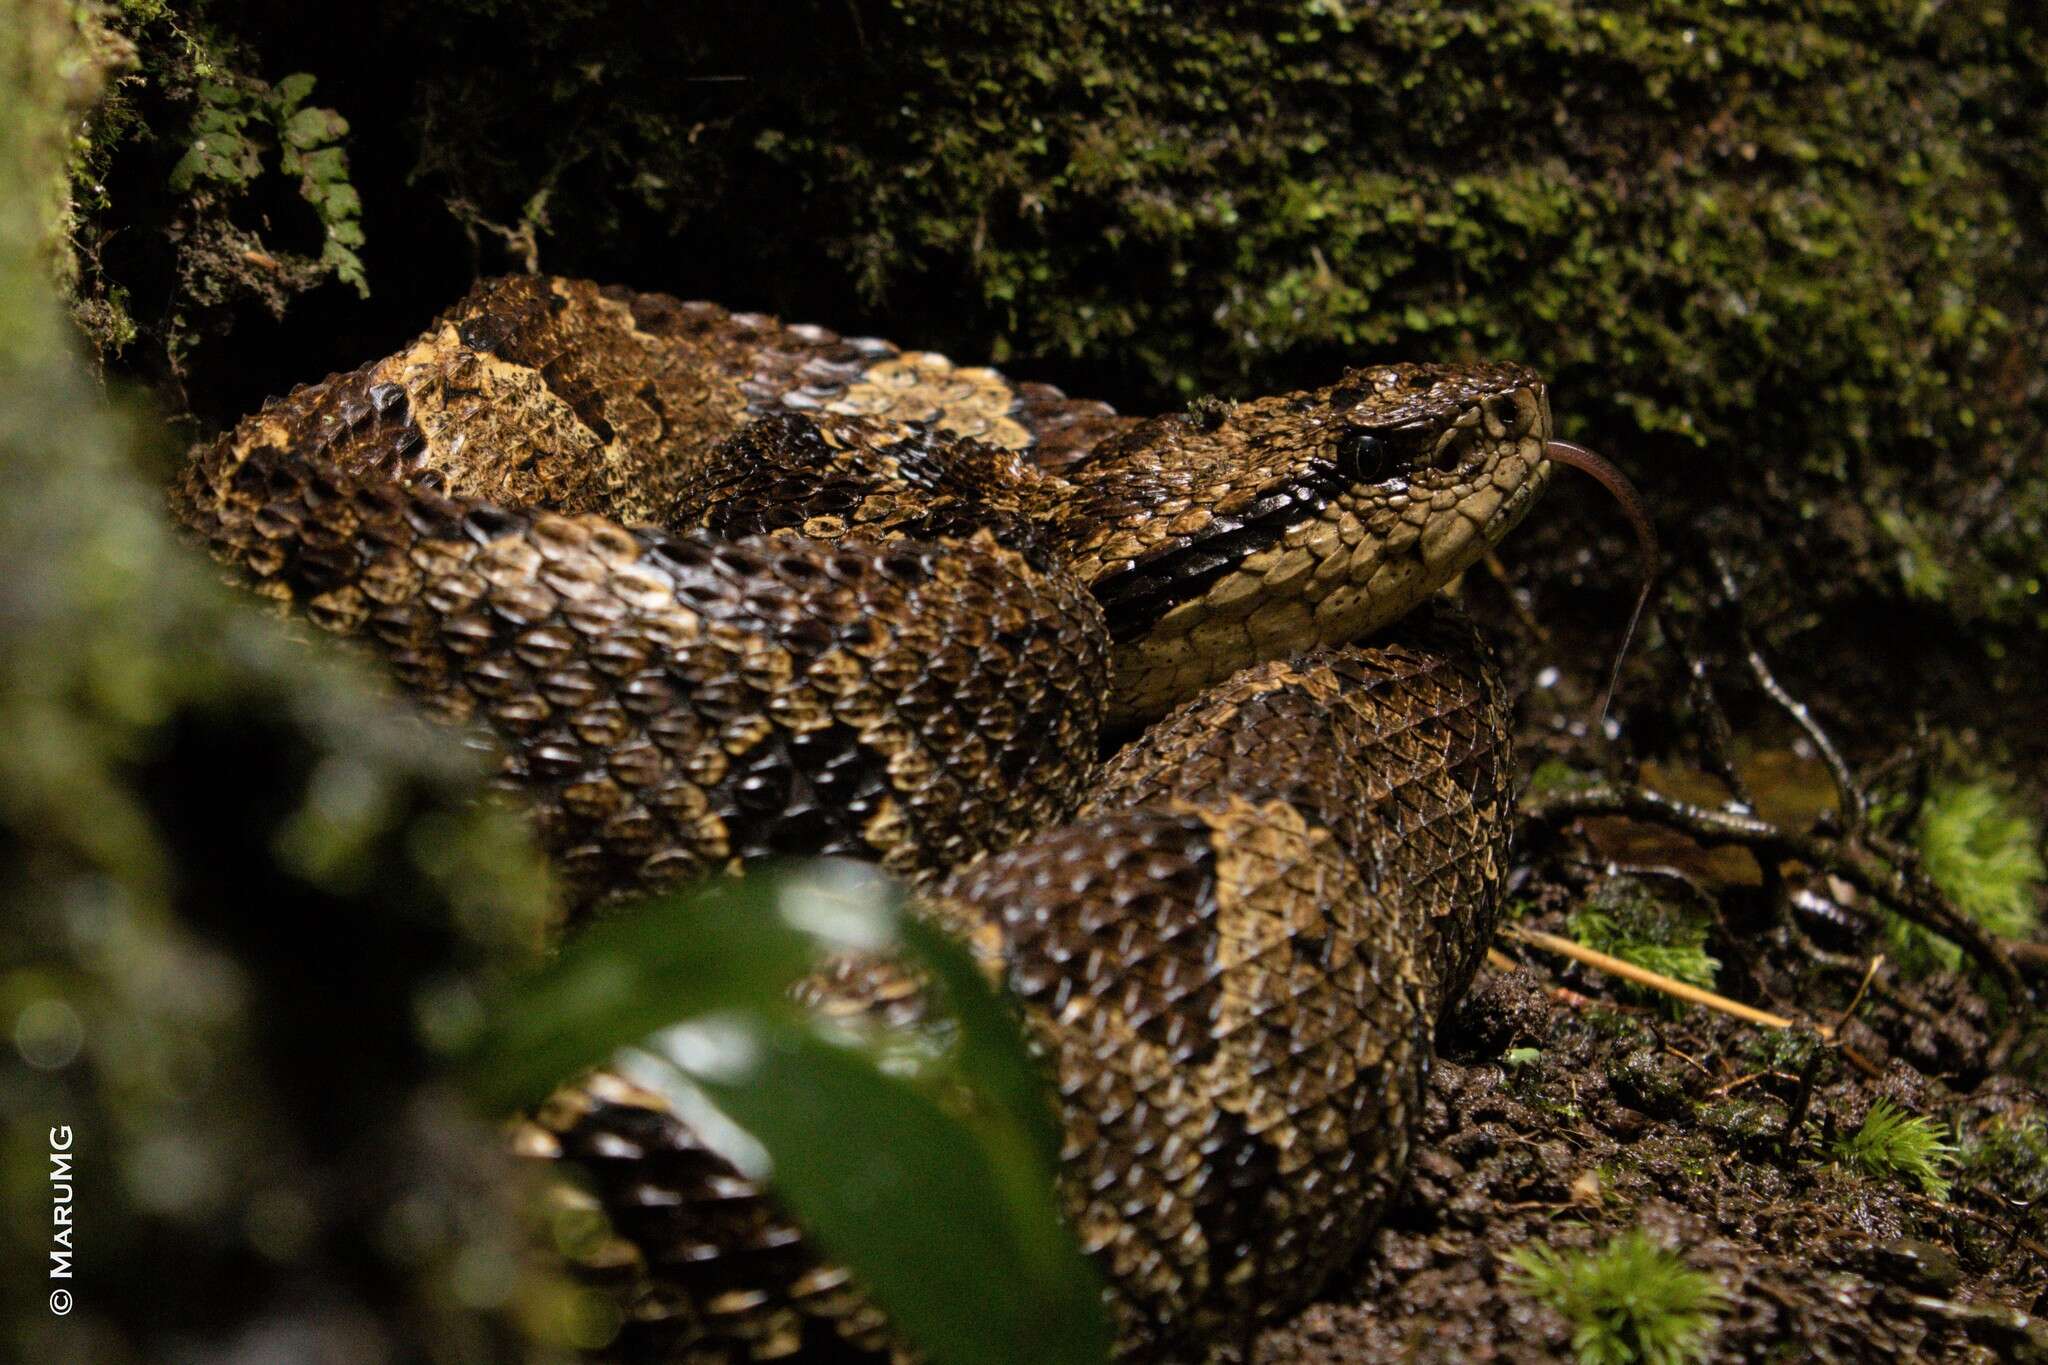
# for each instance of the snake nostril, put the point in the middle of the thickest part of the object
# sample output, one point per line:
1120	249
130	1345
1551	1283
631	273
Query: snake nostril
1504	417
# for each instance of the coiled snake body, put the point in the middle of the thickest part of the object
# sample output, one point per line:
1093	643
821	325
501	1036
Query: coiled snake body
891	608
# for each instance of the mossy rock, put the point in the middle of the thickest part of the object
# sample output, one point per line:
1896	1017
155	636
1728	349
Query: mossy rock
239	886
1782	258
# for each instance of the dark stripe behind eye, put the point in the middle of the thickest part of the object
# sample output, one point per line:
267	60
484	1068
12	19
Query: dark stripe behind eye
1134	599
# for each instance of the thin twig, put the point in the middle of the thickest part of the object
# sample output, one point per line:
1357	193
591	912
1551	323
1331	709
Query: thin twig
1849	796
1642	976
1747	1077
1695	1063
1857	999
1847	857
2028	954
1717	744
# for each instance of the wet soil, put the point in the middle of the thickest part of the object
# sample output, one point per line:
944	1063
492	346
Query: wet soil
1626	1118
1564	1112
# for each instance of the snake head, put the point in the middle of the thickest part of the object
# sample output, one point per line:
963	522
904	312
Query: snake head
1241	532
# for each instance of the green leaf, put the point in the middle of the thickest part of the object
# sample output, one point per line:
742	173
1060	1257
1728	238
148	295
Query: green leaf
291	92
347	267
337	201
933	1183
969	1258
328	165
310	128
214	119
676	957
190	167
991	1051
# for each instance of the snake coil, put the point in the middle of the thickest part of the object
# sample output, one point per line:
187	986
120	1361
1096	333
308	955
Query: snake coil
714	587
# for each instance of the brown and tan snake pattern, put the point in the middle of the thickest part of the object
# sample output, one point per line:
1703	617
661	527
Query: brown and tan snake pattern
715	588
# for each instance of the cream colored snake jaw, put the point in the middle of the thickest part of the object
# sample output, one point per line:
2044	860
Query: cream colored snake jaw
718	588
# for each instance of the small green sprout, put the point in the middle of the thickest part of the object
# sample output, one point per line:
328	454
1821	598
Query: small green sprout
1555	775
1892	1142
1630	1302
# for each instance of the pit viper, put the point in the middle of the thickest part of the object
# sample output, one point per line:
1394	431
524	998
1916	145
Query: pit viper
715	587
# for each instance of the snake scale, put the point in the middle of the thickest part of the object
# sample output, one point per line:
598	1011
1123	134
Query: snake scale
714	587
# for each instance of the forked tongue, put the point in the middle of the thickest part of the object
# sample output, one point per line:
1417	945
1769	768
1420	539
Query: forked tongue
1615	482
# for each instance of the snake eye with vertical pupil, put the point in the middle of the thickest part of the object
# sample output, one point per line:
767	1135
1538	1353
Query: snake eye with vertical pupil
1363	456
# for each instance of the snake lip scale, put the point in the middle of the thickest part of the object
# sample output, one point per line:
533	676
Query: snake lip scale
713	587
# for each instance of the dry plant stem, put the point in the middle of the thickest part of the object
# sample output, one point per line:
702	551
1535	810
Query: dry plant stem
1717	745
1848	795
1615	966
1869	974
1628	971
2029	956
1848	858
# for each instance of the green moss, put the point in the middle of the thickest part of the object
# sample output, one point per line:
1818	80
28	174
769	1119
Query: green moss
1632	1301
2010	1155
211	1017
1725	230
1751	1126
1738	238
1625	919
1894	1145
215	147
1921	570
1984	853
1555	775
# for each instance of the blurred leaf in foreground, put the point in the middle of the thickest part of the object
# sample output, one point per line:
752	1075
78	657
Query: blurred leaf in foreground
932	1180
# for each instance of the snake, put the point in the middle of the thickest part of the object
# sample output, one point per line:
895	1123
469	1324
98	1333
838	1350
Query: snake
715	588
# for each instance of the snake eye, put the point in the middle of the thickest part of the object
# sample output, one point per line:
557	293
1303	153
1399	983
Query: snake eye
1362	456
